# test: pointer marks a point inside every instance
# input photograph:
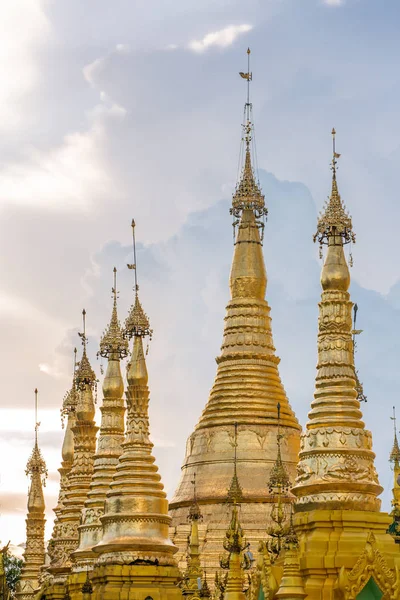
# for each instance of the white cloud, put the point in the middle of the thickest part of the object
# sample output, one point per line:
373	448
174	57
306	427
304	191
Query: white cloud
23	26
333	2
63	178
222	38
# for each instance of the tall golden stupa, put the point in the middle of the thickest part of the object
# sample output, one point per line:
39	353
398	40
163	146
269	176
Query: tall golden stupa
262	512
246	390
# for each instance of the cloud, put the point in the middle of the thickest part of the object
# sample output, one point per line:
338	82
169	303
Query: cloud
333	2
19	39
222	38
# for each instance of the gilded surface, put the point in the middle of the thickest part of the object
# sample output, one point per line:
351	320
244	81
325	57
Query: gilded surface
246	390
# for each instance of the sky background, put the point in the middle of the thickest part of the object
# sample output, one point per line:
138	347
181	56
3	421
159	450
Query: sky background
117	109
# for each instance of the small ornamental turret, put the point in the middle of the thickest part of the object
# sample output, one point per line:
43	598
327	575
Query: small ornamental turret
291	586
278	487
394	527
191	585
361	397
114	347
235	561
34	555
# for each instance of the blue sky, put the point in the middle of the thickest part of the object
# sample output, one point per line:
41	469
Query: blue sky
113	110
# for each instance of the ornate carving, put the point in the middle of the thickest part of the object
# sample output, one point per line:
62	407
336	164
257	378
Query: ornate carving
349	468
371	563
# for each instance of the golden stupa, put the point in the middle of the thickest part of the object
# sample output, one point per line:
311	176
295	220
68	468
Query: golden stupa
246	390
262	512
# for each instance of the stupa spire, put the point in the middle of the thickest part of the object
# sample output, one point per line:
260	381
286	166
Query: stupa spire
113	347
34	555
247	386
65	533
136	495
336	467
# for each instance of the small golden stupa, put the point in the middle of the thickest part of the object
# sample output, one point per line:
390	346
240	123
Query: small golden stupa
34	555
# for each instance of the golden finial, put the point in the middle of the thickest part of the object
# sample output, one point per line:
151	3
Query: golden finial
334	222
113	341
361	397
248	194
36	463
137	323
85	376
235	493
395	453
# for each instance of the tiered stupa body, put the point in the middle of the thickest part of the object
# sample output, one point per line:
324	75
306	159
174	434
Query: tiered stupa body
135	554
337	486
246	390
34	555
113	346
